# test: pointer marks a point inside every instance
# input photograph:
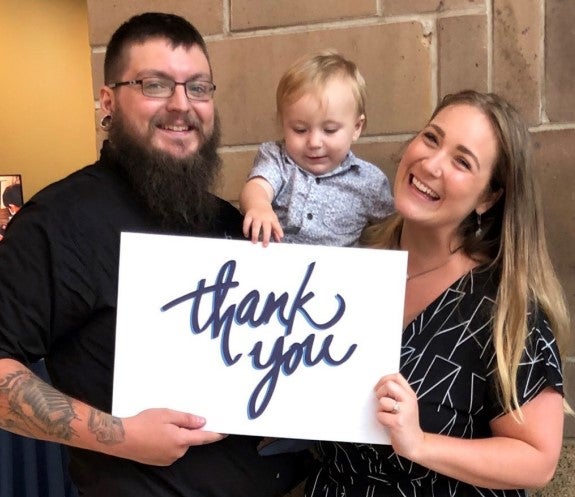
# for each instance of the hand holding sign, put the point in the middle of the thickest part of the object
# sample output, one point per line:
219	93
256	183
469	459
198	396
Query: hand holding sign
161	436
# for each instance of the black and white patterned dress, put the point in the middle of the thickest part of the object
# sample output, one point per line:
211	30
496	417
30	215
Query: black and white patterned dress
448	358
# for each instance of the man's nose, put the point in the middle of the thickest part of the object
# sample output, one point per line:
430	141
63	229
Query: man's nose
179	99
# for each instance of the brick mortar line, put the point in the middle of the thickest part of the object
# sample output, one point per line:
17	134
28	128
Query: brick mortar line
391	138
366	21
549	126
542	66
397	138
226	17
490	45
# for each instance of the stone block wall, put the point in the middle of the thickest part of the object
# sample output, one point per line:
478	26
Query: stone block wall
411	52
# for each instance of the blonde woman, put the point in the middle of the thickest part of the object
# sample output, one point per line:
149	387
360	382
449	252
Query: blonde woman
478	402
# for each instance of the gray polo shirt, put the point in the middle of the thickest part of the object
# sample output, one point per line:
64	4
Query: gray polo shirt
329	209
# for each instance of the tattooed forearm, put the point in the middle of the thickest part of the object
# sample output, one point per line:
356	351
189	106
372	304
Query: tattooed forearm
37	408
108	429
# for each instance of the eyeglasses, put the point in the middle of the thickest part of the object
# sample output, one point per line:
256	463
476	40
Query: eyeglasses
164	88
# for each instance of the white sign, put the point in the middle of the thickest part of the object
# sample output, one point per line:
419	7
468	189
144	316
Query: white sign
283	341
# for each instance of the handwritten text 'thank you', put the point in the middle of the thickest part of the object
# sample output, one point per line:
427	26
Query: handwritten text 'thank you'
223	315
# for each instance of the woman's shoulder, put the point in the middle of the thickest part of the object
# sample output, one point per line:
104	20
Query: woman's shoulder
473	297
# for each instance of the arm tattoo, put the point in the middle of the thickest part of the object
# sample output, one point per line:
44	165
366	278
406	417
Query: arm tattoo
108	429
36	407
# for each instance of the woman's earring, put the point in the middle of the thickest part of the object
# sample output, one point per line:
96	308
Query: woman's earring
105	122
478	231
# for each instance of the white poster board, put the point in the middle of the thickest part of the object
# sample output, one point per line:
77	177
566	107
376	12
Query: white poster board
283	341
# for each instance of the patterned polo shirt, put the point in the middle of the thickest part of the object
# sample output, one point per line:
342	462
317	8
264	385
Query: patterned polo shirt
328	209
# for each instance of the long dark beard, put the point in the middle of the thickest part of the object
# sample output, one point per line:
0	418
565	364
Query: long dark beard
176	190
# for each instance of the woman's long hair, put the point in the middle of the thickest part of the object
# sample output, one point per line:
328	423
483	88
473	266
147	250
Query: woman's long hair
512	240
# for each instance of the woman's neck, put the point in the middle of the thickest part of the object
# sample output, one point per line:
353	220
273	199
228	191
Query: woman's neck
427	243
429	250
435	261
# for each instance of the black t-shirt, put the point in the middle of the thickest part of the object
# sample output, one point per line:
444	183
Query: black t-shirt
58	290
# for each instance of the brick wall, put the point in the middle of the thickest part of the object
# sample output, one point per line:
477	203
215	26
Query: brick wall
411	52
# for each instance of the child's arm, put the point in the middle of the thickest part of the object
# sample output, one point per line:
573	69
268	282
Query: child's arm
256	205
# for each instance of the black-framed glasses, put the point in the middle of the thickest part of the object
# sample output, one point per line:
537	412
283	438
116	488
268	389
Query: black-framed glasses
165	87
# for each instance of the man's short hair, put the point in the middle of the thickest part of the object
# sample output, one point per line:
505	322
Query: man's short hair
144	27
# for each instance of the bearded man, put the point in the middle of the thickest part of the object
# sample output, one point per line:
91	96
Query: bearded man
59	278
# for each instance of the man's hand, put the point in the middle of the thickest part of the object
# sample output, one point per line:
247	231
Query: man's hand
161	436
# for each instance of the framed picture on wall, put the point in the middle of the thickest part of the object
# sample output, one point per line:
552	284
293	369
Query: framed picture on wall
11	198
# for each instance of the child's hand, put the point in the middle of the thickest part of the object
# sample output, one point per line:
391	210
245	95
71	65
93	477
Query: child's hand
264	222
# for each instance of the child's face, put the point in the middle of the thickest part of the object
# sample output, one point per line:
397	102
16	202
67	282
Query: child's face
319	129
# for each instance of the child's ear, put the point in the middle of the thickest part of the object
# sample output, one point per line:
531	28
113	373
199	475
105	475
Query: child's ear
358	127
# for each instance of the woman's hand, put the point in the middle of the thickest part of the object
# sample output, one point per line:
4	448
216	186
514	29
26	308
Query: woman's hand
399	413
